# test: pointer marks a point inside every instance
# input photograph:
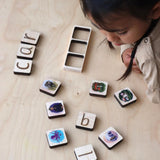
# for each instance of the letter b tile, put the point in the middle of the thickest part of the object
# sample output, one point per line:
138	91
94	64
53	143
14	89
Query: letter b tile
85	120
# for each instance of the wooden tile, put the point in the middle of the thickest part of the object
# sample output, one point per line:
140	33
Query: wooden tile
86	120
23	66
30	37
110	137
56	137
85	153
26	51
125	97
98	88
55	109
50	87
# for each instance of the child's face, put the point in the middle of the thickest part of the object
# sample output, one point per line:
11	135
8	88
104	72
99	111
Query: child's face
124	30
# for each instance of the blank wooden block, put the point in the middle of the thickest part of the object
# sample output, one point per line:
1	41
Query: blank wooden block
26	51
50	87
55	109
86	120
98	88
125	97
23	66
85	153
56	137
30	37
110	137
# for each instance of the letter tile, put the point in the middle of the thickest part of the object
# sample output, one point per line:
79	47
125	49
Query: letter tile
86	120
23	66
85	153
30	37
26	51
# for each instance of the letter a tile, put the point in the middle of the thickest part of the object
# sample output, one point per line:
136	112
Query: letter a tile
26	51
50	87
86	120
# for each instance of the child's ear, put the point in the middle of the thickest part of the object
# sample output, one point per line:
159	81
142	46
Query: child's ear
155	13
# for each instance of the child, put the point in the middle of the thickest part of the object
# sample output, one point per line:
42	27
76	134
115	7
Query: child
134	25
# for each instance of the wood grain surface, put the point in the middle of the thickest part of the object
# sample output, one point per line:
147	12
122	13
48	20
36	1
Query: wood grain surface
23	117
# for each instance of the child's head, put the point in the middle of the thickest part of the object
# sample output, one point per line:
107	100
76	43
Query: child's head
122	21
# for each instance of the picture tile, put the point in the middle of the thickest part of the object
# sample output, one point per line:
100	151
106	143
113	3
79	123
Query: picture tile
55	109
56	137
50	87
125	97
98	88
110	137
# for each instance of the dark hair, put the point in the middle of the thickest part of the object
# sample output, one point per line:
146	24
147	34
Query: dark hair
103	11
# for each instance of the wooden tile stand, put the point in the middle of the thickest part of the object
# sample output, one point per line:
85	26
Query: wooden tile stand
77	54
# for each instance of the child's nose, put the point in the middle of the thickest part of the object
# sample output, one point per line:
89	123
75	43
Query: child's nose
112	37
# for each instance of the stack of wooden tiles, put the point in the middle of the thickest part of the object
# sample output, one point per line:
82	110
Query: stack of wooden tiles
25	53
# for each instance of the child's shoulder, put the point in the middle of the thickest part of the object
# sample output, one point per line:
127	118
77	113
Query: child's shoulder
155	34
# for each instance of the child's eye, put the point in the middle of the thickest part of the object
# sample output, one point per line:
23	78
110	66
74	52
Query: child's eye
122	32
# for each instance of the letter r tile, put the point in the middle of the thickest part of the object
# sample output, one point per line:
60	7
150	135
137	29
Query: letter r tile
30	37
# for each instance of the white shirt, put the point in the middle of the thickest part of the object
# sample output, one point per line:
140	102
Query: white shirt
148	60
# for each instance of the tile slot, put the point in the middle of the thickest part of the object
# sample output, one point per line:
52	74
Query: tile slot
78	46
81	33
74	62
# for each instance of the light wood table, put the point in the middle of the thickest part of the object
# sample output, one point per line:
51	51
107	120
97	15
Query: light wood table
23	117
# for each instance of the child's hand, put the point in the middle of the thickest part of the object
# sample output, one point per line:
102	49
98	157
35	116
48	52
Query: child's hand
126	57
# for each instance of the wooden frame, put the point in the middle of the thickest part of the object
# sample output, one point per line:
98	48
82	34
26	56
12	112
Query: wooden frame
77	54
